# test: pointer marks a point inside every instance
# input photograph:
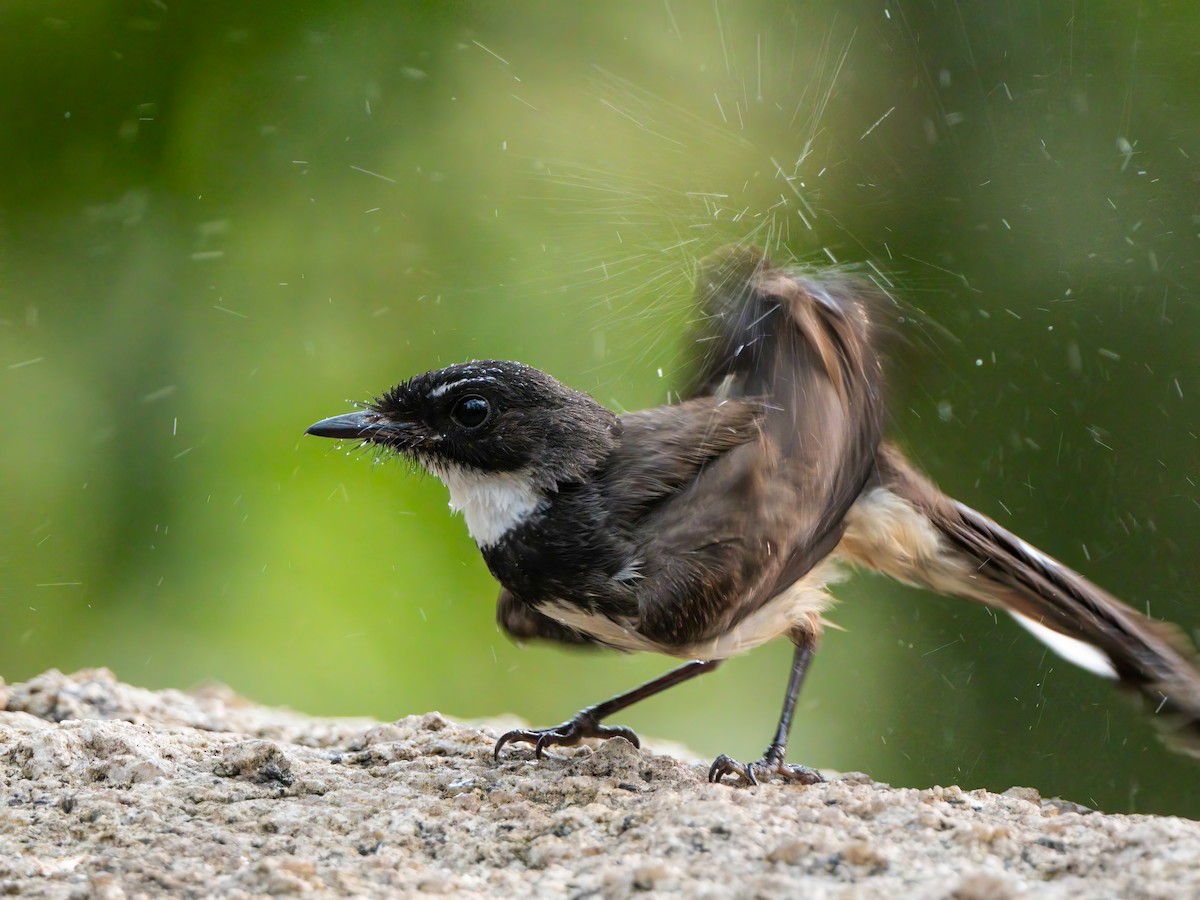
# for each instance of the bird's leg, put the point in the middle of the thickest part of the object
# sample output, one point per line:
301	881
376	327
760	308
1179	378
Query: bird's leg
586	723
772	760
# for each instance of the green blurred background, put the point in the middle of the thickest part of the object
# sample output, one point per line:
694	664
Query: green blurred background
220	222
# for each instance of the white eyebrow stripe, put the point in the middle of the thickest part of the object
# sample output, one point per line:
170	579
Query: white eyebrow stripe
451	385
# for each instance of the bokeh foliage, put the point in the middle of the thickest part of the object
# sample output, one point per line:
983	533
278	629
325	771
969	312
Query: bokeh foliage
223	221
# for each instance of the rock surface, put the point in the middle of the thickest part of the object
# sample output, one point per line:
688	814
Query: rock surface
115	791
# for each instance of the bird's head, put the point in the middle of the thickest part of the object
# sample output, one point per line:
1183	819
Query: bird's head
483	418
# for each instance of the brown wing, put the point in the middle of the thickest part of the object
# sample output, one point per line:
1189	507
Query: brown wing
758	517
661	450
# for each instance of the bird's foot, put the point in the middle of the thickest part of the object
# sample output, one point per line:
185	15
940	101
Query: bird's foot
771	764
584	725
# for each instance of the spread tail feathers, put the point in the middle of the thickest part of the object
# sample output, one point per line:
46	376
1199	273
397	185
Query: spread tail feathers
907	528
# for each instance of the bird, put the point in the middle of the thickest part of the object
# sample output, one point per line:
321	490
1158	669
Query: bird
708	526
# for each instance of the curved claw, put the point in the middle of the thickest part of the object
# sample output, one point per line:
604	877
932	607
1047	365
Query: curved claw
550	737
517	734
725	765
750	773
565	735
612	731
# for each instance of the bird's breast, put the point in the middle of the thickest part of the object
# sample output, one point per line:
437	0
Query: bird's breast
798	607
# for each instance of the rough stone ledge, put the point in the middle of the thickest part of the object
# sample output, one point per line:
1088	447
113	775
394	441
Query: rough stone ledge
115	791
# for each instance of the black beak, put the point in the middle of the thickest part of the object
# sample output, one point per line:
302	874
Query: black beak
362	426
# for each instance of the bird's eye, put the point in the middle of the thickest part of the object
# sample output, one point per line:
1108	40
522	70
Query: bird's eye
470	412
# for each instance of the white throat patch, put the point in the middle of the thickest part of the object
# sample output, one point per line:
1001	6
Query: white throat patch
492	503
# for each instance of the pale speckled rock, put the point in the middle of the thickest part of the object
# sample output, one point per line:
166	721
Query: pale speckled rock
113	791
